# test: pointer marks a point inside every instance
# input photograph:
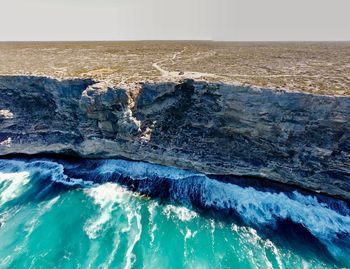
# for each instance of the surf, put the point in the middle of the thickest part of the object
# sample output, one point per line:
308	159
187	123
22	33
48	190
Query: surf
135	201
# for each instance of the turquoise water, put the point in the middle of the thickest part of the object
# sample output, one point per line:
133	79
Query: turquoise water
120	214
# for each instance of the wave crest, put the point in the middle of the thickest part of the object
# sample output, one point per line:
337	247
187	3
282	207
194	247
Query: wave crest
193	190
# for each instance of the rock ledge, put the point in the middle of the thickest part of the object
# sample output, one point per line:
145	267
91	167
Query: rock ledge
215	128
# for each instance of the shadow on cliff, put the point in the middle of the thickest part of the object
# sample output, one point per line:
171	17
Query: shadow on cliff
291	137
43	111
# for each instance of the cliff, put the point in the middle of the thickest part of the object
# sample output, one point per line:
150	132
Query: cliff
291	137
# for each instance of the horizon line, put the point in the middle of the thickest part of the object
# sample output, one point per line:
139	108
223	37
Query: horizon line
168	40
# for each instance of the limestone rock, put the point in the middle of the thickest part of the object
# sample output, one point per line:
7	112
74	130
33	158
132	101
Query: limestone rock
290	137
110	107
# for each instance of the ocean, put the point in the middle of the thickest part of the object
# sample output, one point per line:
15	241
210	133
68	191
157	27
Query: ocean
74	213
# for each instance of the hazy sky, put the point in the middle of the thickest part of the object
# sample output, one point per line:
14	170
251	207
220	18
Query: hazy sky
175	19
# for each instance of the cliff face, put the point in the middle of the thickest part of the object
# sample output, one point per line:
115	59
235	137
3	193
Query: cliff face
289	137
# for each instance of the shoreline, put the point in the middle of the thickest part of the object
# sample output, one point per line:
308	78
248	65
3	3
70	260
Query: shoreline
213	128
244	181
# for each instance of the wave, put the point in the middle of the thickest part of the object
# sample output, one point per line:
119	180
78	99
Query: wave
12	185
328	220
109	197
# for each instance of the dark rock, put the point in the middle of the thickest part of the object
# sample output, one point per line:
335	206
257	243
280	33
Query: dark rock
290	137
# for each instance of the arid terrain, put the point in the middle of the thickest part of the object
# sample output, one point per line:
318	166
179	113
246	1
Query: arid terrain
320	68
241	109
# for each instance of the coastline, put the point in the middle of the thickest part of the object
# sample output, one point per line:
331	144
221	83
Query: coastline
215	128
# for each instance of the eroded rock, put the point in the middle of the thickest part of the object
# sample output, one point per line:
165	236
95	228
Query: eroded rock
290	137
110	107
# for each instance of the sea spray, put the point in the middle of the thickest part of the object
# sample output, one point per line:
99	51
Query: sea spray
113	191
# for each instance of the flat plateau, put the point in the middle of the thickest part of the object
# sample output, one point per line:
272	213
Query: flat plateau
319	68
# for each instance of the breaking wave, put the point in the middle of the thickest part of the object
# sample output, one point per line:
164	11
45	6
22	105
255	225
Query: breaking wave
327	220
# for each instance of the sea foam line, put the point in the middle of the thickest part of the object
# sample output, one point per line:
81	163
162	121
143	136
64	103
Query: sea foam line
253	206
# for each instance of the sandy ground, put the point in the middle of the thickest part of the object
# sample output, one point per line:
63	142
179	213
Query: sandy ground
320	68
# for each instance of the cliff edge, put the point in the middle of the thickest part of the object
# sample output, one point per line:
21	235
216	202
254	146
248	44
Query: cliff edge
216	128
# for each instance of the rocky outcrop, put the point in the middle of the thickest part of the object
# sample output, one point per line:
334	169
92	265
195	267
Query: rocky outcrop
110	107
290	137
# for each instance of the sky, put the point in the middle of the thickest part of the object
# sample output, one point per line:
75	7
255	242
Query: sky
219	20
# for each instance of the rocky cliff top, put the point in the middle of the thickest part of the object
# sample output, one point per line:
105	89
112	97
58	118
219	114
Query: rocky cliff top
320	68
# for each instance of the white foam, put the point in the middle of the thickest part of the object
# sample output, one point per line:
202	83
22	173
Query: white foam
151	211
253	206
50	203
109	197
142	170
264	208
54	170
13	185
180	212
106	196
6	114
269	245
111	257
130	257
6	262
